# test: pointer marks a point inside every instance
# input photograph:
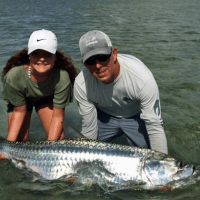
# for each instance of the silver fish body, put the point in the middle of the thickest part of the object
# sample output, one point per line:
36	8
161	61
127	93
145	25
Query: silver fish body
111	165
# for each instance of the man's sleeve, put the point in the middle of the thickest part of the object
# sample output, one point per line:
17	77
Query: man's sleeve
88	112
151	114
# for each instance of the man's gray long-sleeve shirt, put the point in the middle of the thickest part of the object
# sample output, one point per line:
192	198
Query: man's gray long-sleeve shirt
133	92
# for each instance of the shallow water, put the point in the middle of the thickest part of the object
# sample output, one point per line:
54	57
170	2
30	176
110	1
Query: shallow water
165	35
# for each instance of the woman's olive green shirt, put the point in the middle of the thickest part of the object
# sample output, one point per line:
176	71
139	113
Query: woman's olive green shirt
17	87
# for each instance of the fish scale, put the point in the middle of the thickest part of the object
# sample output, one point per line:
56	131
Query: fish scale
105	163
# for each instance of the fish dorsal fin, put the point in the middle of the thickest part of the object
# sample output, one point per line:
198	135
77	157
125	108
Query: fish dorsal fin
71	132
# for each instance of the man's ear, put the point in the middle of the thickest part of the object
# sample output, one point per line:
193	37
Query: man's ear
115	52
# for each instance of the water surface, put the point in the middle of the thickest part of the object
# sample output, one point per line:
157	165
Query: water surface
165	35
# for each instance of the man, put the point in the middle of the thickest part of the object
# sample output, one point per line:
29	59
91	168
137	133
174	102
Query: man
117	94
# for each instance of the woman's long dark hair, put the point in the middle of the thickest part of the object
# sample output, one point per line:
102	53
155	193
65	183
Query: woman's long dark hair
62	61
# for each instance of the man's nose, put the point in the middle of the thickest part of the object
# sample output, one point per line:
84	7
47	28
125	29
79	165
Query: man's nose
98	64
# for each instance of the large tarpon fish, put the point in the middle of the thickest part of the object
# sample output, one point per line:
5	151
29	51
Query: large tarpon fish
112	166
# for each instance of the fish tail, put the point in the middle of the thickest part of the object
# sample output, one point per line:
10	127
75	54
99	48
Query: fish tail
1	147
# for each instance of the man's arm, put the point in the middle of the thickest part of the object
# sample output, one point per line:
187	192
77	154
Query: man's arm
151	114
88	112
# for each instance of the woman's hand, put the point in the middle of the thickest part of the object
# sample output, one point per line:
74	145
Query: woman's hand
56	128
52	119
2	156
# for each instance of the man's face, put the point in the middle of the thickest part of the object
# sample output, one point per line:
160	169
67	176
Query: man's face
105	71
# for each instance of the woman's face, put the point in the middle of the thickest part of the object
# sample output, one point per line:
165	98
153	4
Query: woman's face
42	61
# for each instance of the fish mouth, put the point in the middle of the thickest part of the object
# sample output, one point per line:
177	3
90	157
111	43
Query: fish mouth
163	172
184	172
186	176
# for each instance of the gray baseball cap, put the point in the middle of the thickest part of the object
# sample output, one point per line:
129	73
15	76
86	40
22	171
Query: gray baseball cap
93	43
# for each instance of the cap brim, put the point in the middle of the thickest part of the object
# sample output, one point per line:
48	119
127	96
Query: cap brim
45	48
106	50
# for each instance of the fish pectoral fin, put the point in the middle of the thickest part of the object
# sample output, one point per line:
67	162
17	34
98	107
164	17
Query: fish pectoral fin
71	132
19	163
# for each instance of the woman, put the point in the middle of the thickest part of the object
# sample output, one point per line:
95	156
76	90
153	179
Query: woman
41	77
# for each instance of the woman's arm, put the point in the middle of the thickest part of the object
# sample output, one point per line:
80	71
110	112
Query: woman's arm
56	127
15	121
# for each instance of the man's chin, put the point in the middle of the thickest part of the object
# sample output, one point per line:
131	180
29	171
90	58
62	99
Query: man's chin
105	80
